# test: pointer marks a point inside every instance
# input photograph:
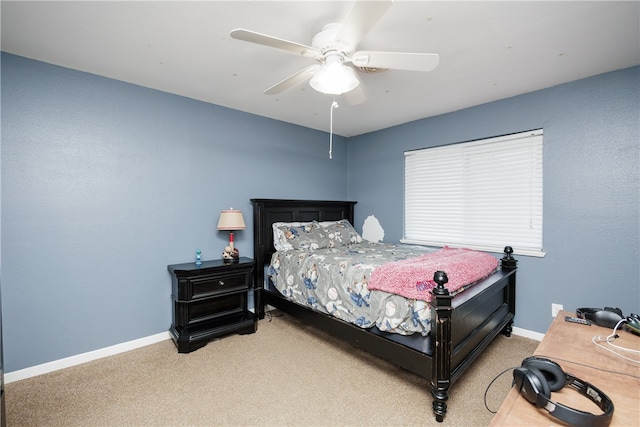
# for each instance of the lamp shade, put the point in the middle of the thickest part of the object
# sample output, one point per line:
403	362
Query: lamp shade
231	219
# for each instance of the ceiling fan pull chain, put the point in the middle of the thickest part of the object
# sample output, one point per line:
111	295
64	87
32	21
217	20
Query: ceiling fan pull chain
334	104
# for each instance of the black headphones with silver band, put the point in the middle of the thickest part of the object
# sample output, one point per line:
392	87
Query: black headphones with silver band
537	377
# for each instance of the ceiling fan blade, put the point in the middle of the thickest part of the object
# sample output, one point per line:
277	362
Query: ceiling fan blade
355	96
266	40
396	60
363	15
292	80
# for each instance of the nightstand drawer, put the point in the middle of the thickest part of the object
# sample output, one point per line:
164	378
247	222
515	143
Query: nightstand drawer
207	309
205	286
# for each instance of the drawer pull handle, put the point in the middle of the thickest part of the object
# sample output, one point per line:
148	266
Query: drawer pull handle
221	283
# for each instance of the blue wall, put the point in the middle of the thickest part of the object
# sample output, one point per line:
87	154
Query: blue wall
105	183
591	188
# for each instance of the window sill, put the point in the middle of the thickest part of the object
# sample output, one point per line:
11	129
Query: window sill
495	249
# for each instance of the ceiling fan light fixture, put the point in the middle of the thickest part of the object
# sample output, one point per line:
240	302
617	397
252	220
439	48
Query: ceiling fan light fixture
334	78
335	46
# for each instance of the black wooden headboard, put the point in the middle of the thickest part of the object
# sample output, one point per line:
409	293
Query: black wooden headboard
268	211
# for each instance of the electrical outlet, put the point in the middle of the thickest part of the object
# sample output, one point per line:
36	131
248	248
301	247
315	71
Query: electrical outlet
555	308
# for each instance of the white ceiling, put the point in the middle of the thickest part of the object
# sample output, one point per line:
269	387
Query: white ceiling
488	51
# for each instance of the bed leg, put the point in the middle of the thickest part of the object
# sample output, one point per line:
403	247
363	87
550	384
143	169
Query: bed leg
506	331
440	404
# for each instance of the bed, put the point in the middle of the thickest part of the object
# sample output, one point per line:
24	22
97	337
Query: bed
461	326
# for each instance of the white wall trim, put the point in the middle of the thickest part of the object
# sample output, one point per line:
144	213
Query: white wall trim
527	334
78	359
84	357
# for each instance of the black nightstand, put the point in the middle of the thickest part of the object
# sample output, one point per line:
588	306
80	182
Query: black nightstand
209	301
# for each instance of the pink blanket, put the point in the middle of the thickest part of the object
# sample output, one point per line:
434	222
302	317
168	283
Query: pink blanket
413	278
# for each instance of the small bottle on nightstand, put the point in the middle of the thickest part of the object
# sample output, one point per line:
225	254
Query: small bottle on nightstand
198	257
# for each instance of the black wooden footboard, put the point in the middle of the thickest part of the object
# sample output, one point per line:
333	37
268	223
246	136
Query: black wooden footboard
462	327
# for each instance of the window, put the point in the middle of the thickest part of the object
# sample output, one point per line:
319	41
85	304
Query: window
484	194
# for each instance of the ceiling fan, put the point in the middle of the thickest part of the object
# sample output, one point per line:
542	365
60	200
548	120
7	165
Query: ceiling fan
334	47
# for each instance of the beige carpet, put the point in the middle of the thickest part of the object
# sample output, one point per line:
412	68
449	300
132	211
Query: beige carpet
285	374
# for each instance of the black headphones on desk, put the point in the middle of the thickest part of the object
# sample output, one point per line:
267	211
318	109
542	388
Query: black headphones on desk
538	377
609	318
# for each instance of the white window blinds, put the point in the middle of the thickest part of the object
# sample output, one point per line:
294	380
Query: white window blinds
483	194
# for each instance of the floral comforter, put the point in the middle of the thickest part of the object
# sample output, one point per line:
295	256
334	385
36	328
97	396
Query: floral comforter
335	281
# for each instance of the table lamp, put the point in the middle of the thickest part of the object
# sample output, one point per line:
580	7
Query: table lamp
231	220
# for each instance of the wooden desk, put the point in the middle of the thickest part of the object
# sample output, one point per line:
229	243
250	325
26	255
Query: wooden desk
569	344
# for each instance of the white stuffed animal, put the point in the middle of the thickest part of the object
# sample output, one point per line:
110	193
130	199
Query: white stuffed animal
230	253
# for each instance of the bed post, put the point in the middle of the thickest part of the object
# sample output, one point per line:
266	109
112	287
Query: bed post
258	257
441	366
508	262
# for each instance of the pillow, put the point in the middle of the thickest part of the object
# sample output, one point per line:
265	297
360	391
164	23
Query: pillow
280	242
298	235
340	233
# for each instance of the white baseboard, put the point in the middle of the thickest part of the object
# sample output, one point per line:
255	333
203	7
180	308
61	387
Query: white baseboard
527	334
132	345
84	357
